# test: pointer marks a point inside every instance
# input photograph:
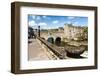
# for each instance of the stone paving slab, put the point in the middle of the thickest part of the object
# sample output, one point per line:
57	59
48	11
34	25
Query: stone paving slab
35	51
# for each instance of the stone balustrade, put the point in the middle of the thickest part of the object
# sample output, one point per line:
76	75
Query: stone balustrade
52	50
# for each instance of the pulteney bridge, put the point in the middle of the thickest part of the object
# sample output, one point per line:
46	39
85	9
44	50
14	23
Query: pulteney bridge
55	35
52	50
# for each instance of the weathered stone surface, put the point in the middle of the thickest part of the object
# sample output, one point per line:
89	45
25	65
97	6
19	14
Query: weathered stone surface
75	50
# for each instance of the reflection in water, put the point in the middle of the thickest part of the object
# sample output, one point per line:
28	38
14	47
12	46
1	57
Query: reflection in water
51	40
73	51
58	41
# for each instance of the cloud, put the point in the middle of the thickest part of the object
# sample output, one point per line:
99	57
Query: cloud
70	17
44	16
43	25
53	27
32	23
76	24
33	17
55	22
38	17
69	22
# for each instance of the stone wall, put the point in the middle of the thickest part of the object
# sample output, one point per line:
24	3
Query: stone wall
52	51
72	32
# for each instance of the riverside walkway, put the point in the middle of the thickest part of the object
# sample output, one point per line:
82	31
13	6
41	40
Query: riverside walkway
35	51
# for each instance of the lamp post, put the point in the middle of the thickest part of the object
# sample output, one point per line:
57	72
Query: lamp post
39	31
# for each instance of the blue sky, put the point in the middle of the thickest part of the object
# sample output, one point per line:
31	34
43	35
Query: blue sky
51	22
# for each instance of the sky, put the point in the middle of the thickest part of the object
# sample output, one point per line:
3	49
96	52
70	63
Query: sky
53	22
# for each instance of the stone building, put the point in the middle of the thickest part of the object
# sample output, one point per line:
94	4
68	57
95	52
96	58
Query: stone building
73	32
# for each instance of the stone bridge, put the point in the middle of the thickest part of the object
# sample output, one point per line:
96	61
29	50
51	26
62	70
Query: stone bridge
54	35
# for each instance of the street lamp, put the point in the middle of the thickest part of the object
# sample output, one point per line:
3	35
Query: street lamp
39	31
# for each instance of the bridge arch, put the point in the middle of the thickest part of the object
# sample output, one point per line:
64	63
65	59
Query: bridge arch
58	41
51	40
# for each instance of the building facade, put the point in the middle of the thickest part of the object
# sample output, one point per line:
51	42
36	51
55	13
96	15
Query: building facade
73	32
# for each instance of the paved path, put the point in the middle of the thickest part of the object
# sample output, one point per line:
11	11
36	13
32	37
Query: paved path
35	51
